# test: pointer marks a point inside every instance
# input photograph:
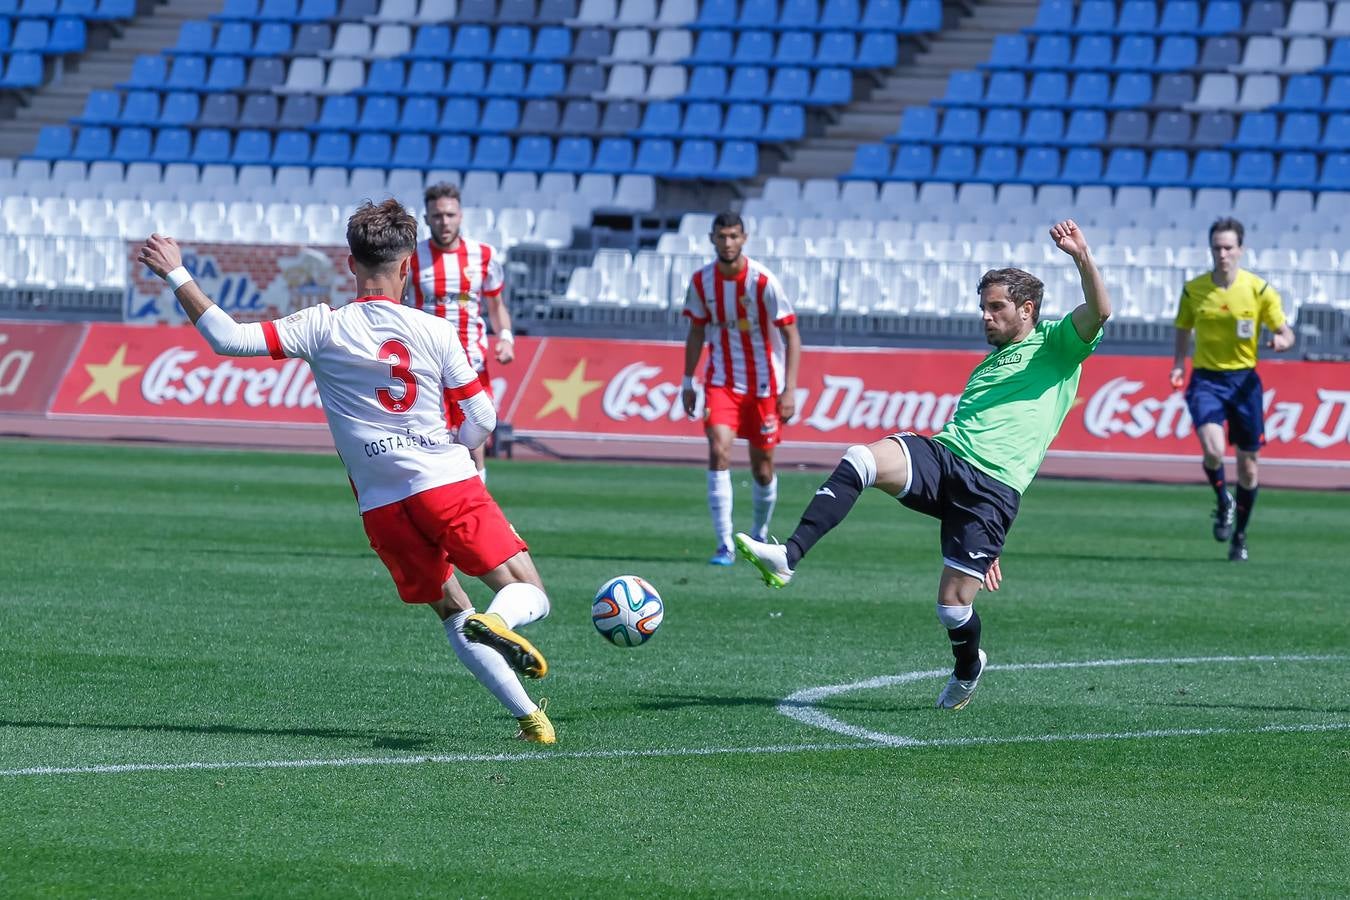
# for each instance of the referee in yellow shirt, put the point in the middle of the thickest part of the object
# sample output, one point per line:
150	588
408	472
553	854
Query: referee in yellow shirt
1226	308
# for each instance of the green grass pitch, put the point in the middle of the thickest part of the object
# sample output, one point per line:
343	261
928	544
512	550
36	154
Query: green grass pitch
165	606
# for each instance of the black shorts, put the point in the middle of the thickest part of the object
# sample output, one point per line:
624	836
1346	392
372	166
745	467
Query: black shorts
1236	397
976	510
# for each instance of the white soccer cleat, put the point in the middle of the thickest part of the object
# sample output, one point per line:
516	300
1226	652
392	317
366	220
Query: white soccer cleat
957	693
770	559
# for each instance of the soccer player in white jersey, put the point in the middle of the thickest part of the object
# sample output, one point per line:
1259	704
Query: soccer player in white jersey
456	278
738	308
383	371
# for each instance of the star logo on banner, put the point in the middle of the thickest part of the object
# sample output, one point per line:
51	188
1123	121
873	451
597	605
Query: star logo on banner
107	379
566	393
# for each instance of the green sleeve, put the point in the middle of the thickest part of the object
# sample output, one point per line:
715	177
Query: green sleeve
1064	341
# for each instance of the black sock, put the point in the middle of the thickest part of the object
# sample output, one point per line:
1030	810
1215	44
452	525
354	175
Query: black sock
1216	481
966	647
828	507
1246	499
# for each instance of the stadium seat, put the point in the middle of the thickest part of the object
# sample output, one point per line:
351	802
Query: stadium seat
1085	126
1211	169
654	157
54	142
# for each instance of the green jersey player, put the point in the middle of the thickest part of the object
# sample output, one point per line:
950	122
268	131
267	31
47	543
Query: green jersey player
971	475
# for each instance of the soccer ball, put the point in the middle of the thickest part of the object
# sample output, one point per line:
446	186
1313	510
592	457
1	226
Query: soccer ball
627	610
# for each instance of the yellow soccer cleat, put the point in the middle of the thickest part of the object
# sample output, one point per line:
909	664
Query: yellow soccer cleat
490	630
536	727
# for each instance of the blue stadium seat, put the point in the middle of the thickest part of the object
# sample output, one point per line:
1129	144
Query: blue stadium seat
546	79
1090	90
918	124
67	36
1001	126
912	163
299	111
1300	131
292	148
252	147
922	16
82	8
1221	17
1138	17
840	48
1337	134
1167	168
472	42
1085	127
707	83
655	156
552	43
452	152
1005	89
1131	90
795	48
499	116
431	42
798	15
211	146
1053	16
959	125
997	165
1082	165
412	151
840	15
753	48
737	160
789	86
460	115
660	118
35	8
273	39
1129	126
1335	172
132	145
696	159
492	153
1010	51
1177	53
1093	51
1095	16
465	77
147	72
715	14
712	48
220	111
544	117
574	154
1338	60
1297	171
101	108
613	156
317	10
1338	94
871	162
338	113
226	74
1302	93
333	148
231	39
745	121
140	108
187	73
54	142
194	37
506	79
1048	89
832	87
1125	165
532	154
180	108
1254	169
378	114
30	36
1040	165
115	10
964	88
882	16
1211	168
748	83
512	43
785	122
418	114
1045	127
172	145
1136	53
278	11
1179	17
702	119
954	163
260	111
385	76
1052	51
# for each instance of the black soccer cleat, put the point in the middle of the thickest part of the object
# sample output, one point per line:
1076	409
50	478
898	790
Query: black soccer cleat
1237	551
1225	512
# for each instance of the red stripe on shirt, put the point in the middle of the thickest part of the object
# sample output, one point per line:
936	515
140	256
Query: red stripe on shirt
273	340
438	283
747	340
462	256
724	357
762	285
418	299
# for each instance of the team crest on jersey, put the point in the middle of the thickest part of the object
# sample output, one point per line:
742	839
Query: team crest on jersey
464	298
744	324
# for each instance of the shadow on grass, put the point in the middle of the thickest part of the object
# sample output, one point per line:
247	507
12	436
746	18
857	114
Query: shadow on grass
409	740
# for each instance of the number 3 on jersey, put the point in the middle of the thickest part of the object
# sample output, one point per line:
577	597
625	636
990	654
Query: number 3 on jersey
396	354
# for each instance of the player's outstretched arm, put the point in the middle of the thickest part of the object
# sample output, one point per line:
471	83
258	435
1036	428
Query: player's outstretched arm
227	337
1091	315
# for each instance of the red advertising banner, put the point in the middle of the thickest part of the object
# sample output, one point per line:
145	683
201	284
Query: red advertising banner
33	358
169	373
574	387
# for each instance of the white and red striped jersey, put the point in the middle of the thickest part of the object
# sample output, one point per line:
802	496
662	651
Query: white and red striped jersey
383	370
452	284
742	314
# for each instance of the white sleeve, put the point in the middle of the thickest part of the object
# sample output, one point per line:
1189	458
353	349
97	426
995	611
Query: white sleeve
228	338
461	385
480	418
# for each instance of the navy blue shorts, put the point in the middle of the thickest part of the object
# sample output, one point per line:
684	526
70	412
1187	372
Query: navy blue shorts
1233	397
976	510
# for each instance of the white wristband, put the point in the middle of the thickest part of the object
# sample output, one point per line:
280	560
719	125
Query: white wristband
688	383
178	277
506	335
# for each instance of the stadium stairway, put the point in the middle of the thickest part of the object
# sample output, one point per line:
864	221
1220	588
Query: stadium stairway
62	99
963	43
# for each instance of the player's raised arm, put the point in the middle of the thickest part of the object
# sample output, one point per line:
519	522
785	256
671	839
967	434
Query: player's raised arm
1091	315
227	337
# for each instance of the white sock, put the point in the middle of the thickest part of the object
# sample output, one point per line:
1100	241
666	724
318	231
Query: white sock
488	666
764	496
519	604
719	505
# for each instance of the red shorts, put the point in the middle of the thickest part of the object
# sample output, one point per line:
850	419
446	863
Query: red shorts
754	418
421	539
454	416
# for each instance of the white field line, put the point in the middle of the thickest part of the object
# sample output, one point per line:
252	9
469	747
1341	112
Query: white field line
796	707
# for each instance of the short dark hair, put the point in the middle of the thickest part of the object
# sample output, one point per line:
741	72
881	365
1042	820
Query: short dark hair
727	219
1227	223
381	234
438	190
1021	287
